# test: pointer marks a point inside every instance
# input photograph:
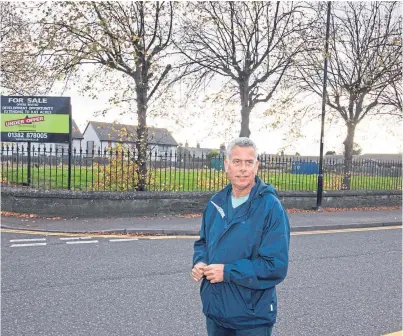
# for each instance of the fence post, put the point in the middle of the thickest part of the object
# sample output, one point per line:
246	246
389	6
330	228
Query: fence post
29	165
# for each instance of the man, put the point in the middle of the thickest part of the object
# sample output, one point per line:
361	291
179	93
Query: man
242	253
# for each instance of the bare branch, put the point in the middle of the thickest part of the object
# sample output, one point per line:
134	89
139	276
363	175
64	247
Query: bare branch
235	40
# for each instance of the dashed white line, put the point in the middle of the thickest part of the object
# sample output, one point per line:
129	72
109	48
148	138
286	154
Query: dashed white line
26	240
24	245
123	239
75	238
82	242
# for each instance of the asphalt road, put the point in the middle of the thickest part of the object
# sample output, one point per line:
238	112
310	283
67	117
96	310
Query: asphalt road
338	284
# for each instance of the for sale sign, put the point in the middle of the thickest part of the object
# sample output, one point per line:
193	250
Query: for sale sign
36	119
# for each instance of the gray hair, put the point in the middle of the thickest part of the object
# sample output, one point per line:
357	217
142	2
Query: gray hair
241	142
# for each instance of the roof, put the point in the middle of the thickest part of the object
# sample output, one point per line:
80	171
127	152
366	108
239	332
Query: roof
75	131
128	133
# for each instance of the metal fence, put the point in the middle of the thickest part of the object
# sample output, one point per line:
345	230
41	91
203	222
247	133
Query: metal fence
116	170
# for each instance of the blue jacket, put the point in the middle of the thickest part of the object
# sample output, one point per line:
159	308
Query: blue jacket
253	246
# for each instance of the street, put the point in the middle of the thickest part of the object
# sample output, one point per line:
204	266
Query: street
343	283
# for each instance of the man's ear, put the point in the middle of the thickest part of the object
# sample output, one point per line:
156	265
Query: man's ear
256	166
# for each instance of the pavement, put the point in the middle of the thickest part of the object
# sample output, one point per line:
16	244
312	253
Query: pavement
179	225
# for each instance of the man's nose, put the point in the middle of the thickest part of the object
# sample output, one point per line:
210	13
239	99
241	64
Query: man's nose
243	165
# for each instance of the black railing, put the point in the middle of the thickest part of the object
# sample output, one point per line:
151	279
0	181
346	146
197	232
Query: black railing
117	170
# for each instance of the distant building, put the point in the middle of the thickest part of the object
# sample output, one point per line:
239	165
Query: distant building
197	151
102	136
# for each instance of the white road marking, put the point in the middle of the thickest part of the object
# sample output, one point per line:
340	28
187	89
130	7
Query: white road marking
33	244
74	238
26	240
122	240
82	242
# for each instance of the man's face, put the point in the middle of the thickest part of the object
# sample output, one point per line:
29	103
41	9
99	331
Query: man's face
242	167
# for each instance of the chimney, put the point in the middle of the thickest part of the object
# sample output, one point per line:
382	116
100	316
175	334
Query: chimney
186	144
198	145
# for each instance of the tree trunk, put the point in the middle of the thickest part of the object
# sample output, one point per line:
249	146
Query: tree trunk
245	131
348	156
142	136
245	108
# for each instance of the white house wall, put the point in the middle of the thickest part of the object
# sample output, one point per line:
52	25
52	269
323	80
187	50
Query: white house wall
90	135
47	148
77	145
160	150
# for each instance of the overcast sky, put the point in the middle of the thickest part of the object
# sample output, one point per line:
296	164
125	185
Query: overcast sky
373	137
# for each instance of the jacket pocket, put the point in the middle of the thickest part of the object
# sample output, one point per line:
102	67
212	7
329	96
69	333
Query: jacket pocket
236	301
265	304
205	294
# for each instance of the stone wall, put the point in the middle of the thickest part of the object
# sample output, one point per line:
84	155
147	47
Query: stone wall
69	204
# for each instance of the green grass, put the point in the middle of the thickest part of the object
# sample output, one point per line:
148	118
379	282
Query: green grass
182	180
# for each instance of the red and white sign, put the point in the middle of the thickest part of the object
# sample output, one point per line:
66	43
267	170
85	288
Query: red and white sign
24	121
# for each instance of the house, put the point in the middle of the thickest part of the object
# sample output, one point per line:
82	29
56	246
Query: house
100	136
197	152
77	137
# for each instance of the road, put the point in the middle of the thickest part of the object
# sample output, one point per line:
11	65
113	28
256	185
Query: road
344	283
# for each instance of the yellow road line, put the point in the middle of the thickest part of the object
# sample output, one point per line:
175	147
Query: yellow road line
397	333
345	230
186	237
298	233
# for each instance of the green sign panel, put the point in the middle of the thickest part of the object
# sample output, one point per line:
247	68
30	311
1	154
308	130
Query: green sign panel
35	119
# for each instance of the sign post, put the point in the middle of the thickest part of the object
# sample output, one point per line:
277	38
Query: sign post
36	119
69	153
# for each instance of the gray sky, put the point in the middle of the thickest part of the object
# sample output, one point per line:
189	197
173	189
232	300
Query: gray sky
372	136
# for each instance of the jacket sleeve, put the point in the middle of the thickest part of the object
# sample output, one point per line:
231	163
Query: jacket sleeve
200	245
270	266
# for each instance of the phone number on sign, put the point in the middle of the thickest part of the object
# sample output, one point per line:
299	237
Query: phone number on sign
27	135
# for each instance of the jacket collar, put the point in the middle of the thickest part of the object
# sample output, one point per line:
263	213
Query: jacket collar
222	196
221	199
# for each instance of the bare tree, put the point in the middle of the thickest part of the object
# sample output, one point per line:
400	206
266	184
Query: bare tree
127	38
391	98
364	63
249	44
20	73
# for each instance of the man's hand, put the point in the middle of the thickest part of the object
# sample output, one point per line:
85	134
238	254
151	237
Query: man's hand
214	273
198	271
